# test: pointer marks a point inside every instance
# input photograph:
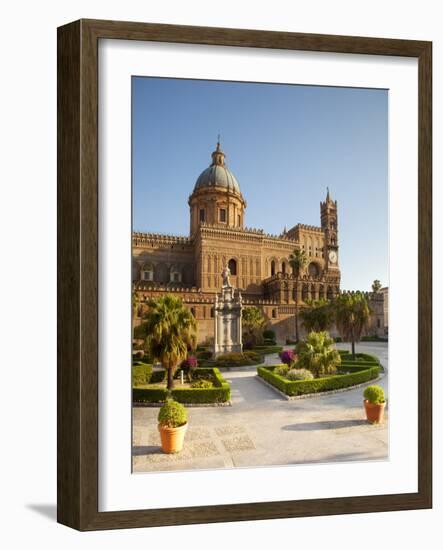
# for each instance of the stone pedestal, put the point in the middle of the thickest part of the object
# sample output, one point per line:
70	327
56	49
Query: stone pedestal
227	319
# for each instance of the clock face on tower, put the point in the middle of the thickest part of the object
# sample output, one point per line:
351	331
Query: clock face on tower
332	257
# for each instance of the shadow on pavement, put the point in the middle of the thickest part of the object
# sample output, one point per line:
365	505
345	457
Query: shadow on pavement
326	425
146	450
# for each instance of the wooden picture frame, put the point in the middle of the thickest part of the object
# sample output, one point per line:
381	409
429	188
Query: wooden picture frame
78	274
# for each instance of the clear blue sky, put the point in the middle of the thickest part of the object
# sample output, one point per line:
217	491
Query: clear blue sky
284	143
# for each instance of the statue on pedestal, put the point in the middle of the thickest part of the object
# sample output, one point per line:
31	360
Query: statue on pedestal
227	318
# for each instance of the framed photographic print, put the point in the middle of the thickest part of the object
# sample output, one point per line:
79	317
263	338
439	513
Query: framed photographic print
244	275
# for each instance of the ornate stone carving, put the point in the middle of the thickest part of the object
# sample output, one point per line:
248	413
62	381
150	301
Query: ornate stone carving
227	318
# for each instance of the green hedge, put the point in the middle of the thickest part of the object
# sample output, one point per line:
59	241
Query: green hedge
267	349
329	383
247	358
204	355
141	373
373	339
220	393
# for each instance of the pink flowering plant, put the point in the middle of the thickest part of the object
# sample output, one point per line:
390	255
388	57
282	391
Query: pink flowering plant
189	365
288	357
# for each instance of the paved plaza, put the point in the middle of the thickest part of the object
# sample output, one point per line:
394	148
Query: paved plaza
263	428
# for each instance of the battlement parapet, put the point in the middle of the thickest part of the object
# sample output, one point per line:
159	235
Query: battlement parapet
140	239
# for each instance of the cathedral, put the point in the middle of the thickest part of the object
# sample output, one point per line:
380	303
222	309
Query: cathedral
191	266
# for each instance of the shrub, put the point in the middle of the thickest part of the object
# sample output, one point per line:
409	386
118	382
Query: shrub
141	374
189	365
204	354
202	383
269	337
172	414
288	356
237	359
158	376
318	355
282	370
299	374
253	355
269	342
267	349
374	394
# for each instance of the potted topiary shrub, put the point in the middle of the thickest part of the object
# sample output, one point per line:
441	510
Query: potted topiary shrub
374	402
172	425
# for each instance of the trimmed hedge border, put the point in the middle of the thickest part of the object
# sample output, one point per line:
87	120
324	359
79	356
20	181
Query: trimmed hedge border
267	349
220	394
358	375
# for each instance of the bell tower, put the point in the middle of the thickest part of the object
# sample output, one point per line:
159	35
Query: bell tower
329	225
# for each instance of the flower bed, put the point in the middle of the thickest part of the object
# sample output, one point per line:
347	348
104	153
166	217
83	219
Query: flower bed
348	375
219	393
235	359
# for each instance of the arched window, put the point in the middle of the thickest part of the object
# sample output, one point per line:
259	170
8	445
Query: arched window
329	293
272	268
274	314
283	267
232	264
313	269
305	292
148	272
202	214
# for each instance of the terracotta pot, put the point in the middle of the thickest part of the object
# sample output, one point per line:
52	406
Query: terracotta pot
374	411
172	438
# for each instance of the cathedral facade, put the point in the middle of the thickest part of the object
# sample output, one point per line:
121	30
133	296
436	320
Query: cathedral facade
191	266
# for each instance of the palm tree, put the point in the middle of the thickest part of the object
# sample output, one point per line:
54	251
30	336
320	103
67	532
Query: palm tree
171	331
352	314
318	316
298	261
252	326
318	354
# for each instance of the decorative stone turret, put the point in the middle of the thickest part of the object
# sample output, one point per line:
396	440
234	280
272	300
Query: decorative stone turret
227	318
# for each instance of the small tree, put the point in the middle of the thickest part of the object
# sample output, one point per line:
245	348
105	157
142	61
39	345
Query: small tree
298	261
252	326
352	314
318	316
376	286
171	330
318	354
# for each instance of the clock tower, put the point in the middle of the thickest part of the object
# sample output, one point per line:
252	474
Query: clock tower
329	225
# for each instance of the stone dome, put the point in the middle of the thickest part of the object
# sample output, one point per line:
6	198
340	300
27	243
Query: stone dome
217	175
